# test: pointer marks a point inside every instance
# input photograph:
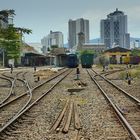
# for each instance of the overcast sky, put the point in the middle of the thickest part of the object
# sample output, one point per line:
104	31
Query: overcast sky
41	16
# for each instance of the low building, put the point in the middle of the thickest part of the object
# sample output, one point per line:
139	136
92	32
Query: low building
60	57
100	47
115	55
31	57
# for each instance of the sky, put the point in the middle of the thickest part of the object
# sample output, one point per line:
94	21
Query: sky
41	16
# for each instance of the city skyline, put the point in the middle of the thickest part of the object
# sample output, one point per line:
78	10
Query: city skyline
41	16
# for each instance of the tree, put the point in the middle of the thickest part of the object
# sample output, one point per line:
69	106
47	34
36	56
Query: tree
54	46
9	42
48	49
11	37
87	51
103	60
23	30
4	14
135	52
7	13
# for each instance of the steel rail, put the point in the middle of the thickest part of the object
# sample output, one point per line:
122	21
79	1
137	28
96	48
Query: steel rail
59	118
11	82
29	100
31	105
32	89
12	86
10	92
122	90
4	78
118	113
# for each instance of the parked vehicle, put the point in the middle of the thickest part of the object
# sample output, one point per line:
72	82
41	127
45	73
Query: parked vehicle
72	61
131	60
135	60
125	60
87	60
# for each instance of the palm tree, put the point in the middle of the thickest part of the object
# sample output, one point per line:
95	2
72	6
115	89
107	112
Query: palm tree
7	13
23	31
4	14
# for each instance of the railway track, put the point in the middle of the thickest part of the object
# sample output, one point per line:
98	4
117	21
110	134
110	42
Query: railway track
21	81
36	121
125	105
18	85
34	96
6	85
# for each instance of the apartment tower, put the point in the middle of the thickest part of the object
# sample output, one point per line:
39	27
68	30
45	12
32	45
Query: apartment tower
74	28
114	30
52	39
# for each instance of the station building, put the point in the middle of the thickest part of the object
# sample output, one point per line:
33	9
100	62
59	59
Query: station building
60	57
116	55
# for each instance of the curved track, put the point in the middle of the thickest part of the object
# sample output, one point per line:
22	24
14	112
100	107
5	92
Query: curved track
33	99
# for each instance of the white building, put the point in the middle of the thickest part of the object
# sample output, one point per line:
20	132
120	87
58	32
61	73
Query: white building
52	39
74	28
114	30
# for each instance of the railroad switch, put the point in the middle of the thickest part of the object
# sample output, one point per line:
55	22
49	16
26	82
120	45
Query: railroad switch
138	104
13	93
36	78
129	82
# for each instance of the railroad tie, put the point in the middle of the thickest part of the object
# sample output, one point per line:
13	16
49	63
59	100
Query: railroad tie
76	118
60	117
77	135
68	120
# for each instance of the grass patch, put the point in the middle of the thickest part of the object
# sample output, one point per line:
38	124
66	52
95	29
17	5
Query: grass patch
135	73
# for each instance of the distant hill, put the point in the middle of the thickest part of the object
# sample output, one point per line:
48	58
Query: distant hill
132	39
96	40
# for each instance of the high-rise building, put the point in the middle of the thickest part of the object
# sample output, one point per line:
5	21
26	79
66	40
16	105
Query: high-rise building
75	27
52	39
114	30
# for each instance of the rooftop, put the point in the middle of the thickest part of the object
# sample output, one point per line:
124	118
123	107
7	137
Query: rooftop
115	13
118	49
